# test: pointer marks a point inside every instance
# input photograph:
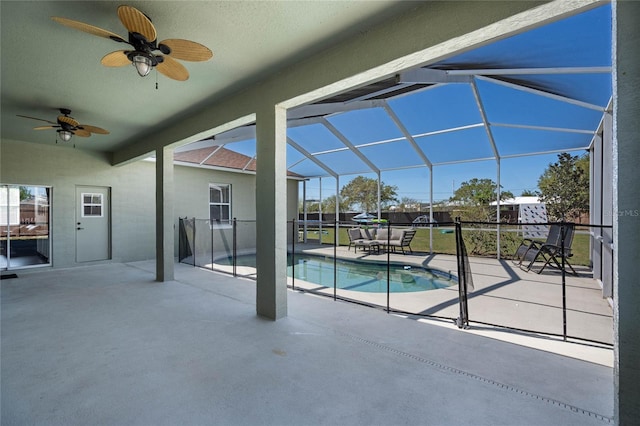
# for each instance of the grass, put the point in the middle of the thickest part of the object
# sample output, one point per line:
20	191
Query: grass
445	243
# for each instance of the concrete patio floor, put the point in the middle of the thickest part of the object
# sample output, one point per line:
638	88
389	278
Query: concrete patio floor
107	345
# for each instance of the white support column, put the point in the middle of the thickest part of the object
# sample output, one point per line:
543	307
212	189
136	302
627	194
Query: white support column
337	198
430	209
304	210
626	213
164	215
271	214
337	221
595	205
498	194
607	206
320	213
379	195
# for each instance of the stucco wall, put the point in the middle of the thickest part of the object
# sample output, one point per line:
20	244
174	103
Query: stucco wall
191	201
626	213
132	195
192	198
62	168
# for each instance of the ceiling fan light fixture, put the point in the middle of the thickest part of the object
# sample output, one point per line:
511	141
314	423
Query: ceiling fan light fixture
142	63
65	135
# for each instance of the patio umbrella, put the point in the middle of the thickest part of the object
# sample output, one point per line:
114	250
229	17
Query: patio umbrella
363	217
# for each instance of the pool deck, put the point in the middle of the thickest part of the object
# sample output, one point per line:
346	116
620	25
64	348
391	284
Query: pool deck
504	295
108	345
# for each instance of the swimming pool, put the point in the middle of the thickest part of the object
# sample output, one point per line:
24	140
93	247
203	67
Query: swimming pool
359	276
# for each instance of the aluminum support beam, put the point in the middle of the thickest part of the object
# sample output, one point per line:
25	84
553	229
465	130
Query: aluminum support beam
542	93
391	113
349	145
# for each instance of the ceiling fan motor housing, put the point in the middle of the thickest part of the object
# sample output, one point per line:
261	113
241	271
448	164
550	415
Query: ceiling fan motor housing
145	48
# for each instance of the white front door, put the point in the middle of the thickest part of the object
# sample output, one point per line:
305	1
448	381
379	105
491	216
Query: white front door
93	223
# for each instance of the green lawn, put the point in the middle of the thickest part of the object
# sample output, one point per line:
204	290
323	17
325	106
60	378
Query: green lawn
446	243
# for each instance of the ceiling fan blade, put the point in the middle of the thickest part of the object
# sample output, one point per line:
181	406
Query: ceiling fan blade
137	22
93	129
187	50
116	59
173	69
39	119
82	133
88	28
45	127
68	120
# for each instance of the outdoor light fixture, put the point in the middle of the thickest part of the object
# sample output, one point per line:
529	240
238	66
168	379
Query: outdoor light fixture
65	135
143	63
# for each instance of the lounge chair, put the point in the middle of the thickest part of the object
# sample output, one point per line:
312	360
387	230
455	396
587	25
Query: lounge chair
553	238
551	252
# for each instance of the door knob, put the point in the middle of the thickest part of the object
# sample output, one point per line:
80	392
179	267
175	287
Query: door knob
78	228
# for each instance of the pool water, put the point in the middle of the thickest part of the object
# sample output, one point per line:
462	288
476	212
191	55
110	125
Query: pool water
360	276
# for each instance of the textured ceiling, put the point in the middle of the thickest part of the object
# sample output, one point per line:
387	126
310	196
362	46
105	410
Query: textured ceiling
46	66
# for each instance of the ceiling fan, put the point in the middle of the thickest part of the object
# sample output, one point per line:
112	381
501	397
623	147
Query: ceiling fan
67	126
147	52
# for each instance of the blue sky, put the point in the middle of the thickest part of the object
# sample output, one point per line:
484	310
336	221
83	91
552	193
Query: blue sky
583	40
447	122
517	174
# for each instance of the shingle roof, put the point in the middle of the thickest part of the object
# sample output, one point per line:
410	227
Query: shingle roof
218	156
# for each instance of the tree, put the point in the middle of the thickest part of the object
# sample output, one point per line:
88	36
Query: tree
362	192
478	192
329	205
312	206
480	242
564	187
528	193
408	204
25	193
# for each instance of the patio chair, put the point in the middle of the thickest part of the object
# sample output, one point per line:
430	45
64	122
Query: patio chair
354	237
550	252
553	237
361	237
406	239
400	238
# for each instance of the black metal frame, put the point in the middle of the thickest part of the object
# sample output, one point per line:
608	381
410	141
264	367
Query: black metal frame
464	275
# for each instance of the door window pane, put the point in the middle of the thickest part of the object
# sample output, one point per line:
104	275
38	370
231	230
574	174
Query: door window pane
91	205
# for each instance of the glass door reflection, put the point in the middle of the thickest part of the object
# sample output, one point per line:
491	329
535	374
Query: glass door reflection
24	226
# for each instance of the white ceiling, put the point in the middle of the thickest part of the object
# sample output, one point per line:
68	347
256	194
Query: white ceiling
46	66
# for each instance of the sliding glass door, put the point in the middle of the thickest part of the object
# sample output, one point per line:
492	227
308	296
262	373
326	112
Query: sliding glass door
24	226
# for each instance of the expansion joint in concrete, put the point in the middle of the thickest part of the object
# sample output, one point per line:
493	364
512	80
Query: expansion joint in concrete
476	377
